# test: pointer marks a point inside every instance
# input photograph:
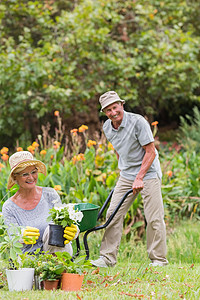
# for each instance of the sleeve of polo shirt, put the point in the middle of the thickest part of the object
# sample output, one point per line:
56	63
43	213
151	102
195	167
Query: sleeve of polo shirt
143	132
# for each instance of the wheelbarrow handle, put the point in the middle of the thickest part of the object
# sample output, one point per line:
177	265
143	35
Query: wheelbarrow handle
105	204
106	223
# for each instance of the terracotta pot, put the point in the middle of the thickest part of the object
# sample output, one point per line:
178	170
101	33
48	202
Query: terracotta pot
56	235
51	284
71	282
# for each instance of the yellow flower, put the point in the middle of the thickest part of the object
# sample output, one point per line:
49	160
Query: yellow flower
80	156
35	145
43	152
4	150
91	143
56	145
82	128
110	146
151	16
57	187
99	161
19	149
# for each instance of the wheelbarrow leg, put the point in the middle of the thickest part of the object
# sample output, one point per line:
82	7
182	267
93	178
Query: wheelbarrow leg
78	248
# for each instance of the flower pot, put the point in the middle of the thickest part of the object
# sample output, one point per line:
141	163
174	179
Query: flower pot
51	284
56	235
71	282
37	282
20	280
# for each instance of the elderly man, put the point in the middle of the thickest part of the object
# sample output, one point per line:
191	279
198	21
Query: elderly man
131	136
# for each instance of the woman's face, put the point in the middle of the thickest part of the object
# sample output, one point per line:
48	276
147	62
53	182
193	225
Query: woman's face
27	178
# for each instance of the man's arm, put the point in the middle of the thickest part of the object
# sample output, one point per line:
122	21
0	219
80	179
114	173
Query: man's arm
148	158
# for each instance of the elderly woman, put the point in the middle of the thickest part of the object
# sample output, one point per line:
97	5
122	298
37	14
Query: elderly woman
29	206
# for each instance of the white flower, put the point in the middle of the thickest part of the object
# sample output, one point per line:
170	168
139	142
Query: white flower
75	216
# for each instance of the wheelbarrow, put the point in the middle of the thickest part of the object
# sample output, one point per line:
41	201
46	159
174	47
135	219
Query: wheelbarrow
91	216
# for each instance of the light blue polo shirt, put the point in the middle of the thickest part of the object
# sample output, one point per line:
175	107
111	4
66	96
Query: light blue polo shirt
133	133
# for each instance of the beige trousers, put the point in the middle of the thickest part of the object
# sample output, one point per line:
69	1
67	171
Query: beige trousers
154	214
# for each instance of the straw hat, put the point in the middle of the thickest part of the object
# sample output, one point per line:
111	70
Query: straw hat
23	159
109	98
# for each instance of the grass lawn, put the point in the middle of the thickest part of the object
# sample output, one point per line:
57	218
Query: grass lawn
132	277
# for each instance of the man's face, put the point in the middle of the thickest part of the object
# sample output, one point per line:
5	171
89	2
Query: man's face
115	112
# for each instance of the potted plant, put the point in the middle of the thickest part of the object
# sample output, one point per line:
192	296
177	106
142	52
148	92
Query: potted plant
49	269
19	270
72	278
62	215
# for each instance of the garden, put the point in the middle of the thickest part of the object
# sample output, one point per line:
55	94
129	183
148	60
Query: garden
88	177
56	59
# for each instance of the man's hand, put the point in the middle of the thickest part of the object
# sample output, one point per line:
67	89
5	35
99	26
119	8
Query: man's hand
30	235
69	233
137	186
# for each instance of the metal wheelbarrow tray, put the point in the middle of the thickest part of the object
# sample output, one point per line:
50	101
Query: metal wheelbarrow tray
91	216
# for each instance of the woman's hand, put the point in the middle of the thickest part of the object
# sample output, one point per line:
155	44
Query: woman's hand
30	235
69	233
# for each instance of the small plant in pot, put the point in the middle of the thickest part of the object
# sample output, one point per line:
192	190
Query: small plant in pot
62	215
19	270
50	270
72	278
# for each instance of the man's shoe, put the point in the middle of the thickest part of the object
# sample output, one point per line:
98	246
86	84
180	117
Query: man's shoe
100	262
157	264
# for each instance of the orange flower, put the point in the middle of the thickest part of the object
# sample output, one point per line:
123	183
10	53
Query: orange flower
91	143
74	160
56	145
1	166
5	157
154	123
74	131
104	176
56	113
43	152
151	16
31	149
35	145
80	156
82	128
19	149
169	173
57	188
4	150
52	156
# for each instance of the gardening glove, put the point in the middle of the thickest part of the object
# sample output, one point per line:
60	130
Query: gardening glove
30	235
69	233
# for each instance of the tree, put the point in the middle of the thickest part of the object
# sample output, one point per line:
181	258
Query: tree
61	55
